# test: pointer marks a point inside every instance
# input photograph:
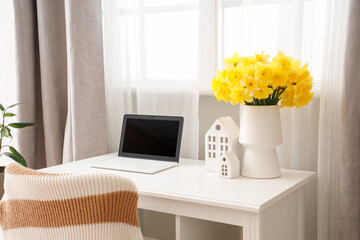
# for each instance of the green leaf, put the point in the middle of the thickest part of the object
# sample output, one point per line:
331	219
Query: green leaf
18	157
4	132
9	130
9	114
2	107
15	104
21	124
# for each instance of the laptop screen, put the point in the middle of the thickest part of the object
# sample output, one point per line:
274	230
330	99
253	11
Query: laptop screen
151	137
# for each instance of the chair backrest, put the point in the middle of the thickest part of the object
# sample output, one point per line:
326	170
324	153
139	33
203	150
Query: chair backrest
38	205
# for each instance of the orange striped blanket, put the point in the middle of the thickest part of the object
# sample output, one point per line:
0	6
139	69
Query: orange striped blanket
39	205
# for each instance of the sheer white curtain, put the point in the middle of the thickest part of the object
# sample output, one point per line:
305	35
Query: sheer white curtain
314	32
8	83
151	64
119	57
8	90
329	155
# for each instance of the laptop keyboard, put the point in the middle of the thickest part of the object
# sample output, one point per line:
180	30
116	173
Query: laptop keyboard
137	165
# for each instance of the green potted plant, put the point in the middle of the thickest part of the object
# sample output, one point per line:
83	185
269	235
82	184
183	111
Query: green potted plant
5	132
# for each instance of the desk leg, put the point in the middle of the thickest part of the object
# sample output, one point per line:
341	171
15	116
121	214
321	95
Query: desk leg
251	230
177	227
301	212
284	219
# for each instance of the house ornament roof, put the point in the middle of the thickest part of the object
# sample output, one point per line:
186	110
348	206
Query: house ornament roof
229	126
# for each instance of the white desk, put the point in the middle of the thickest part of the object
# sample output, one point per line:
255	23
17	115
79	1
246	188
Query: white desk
265	209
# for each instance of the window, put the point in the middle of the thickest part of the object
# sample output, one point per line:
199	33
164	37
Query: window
158	40
183	42
294	27
8	81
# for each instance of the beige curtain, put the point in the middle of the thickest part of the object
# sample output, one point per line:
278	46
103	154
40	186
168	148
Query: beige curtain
350	185
61	80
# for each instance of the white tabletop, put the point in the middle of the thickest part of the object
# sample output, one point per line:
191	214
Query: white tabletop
190	182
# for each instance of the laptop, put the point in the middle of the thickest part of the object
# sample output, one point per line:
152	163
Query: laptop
148	144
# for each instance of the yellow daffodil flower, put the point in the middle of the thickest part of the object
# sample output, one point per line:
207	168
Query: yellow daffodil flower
233	61
303	99
261	57
236	74
278	78
250	85
287	98
238	95
246	80
263	92
263	73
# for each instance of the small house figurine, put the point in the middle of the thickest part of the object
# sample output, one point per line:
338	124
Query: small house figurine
221	137
228	165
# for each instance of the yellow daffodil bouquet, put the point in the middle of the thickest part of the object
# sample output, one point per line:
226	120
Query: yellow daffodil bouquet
254	80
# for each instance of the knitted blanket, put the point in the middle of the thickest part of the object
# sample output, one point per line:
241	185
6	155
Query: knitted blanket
39	205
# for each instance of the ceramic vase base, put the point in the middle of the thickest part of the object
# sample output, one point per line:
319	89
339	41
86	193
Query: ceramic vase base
260	163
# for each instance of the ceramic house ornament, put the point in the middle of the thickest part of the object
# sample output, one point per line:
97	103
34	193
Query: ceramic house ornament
228	165
221	137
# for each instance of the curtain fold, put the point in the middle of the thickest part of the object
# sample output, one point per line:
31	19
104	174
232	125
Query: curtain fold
86	124
299	151
350	184
329	152
60	79
118	77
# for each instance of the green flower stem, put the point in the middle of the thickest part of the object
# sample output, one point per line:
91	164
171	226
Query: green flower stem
272	99
277	95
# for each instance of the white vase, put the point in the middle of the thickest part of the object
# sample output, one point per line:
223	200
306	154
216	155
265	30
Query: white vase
260	134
